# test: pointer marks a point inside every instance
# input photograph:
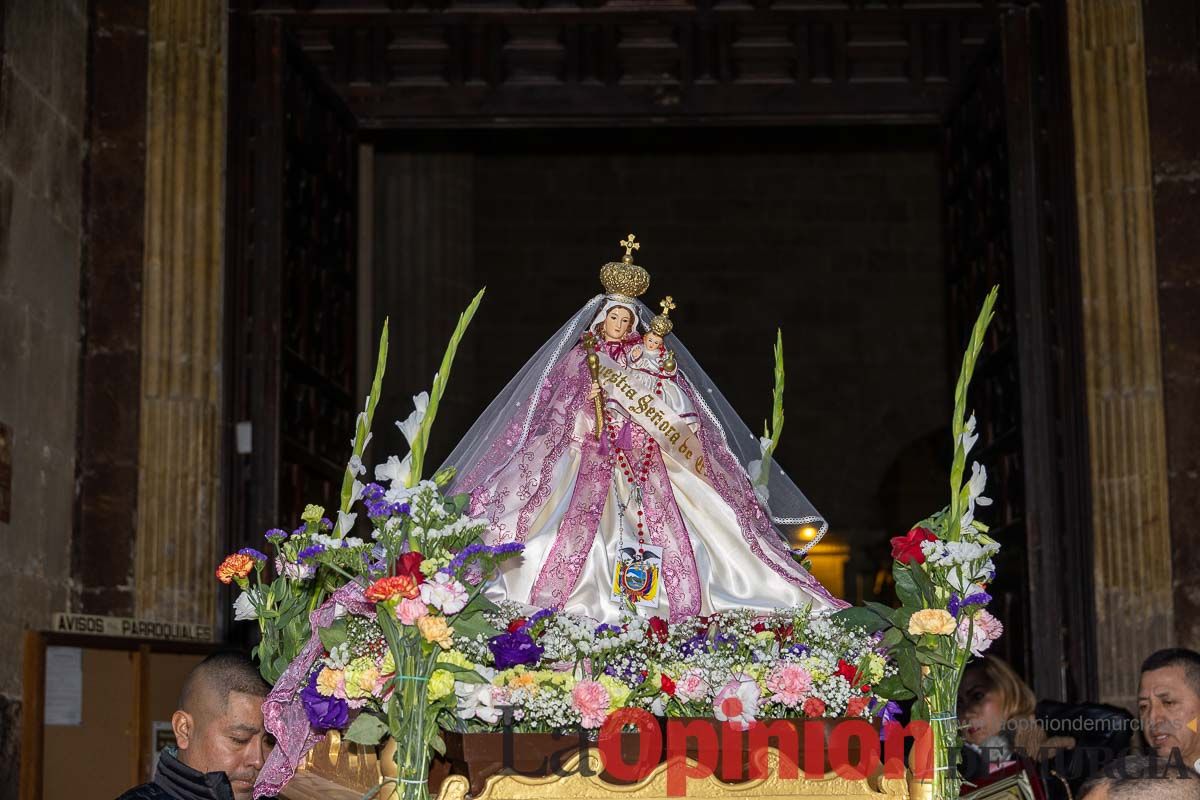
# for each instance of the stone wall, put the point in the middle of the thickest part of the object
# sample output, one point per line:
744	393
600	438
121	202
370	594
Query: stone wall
1172	30
42	150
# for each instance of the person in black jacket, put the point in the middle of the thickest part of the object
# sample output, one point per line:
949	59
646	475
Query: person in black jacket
219	735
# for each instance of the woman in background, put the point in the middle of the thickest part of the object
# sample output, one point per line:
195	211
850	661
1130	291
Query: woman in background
996	711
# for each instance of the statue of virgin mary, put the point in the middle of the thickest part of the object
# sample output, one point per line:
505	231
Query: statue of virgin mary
627	476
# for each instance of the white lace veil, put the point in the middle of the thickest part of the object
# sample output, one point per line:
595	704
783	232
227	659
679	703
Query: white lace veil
785	503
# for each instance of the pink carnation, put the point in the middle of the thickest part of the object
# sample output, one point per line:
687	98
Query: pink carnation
691	687
987	630
790	683
857	706
591	700
814	707
410	610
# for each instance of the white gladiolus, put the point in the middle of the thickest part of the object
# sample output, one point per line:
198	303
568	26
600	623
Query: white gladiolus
969	437
395	471
410	426
345	522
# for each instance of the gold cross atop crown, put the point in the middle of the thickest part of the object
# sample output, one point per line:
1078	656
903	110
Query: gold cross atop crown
663	324
630	245
625	279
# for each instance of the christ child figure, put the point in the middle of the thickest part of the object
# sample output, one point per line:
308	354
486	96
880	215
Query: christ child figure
651	356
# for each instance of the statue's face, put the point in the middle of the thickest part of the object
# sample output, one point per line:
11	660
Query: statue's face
652	341
617	324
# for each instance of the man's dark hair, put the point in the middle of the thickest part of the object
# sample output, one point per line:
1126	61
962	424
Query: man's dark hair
226	672
1177	657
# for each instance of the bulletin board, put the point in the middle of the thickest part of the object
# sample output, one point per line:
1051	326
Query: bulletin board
96	711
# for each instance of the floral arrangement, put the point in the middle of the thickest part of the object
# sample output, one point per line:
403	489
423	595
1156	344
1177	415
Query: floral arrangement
384	629
941	568
559	672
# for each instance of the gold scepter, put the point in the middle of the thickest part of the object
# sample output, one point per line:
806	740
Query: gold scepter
593	362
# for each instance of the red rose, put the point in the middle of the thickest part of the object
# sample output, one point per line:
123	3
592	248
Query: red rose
658	628
814	707
668	685
758	627
516	624
847	671
907	549
410	564
856	706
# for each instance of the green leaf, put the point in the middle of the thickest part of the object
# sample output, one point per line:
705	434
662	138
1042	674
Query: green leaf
460	503
364	427
468	676
421	440
860	617
910	669
472	625
334	635
930	657
901	616
892	688
893	637
906	586
438	744
924	585
367	729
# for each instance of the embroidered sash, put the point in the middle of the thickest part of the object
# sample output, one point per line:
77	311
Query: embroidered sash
670	431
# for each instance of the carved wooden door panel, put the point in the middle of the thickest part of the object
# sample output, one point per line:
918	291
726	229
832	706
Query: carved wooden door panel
1010	222
292	292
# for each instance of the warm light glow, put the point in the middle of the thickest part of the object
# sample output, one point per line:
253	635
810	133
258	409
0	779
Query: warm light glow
808	533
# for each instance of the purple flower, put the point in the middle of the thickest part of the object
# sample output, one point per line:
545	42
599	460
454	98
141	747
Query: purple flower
300	531
324	713
372	491
888	713
956	604
477	550
537	617
310	552
255	554
326	523
276	533
513	649
977	599
473	574
604	628
795	650
402	508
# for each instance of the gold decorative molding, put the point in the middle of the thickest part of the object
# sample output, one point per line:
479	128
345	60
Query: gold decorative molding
573	784
1123	366
179	436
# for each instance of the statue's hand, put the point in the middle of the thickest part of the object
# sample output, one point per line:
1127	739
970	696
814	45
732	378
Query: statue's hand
594	392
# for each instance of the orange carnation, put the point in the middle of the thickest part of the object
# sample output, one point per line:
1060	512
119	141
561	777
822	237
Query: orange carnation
235	568
386	588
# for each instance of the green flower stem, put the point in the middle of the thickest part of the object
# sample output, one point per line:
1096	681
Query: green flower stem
421	441
363	426
959	421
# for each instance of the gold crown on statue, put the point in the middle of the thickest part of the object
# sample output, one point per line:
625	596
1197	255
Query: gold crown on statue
662	323
623	277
